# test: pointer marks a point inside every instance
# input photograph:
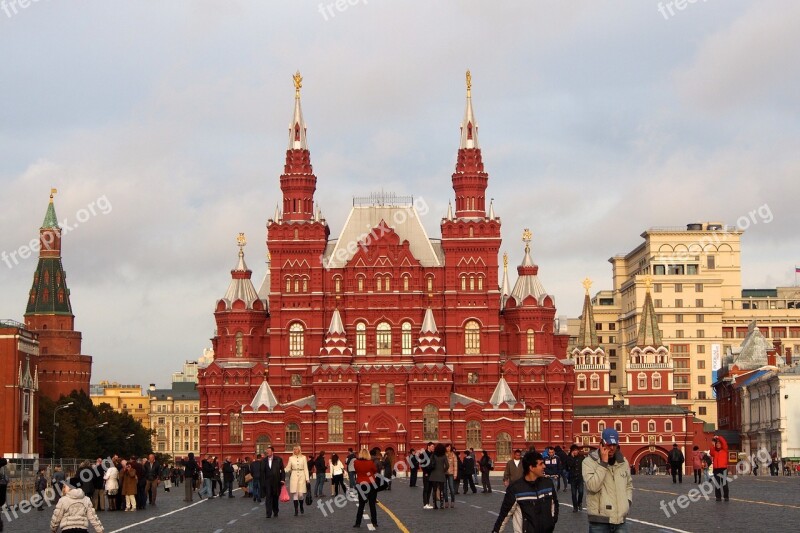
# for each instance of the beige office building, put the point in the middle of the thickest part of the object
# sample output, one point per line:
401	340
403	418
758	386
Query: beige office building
123	399
175	419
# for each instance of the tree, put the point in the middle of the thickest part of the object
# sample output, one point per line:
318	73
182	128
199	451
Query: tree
84	430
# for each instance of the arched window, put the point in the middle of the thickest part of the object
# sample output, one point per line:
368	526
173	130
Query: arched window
361	339
531	342
472	338
405	338
581	382
337	284
335	424
292	435
584	427
297	285
384	339
376	394
390	394
656	381
296	340
668	426
430	283
474	435
387	284
533	424
430	422
594	382
262	443
405	283
651	426
503	447
635	426
601	426
234	428
618	425
378	284
472	283
239	344
305	285
463	282
288	284
480	283
360	283
642	379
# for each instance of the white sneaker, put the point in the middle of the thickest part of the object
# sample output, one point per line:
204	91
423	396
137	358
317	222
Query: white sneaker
429	506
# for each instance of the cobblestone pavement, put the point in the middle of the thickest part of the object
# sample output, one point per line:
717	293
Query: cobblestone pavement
755	503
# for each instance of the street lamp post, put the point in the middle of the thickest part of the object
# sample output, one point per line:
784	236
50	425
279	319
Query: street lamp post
55	425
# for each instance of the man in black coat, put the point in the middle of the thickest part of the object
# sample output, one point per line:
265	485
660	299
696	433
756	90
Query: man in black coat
227	478
255	471
468	465
272	477
676	461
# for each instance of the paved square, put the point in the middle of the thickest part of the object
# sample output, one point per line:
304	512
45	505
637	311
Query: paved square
755	503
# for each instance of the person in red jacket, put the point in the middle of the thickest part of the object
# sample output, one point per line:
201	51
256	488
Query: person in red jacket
366	487
719	457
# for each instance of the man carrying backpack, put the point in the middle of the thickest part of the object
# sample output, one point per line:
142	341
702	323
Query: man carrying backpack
676	460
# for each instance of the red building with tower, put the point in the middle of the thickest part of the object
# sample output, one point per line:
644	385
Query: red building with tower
384	336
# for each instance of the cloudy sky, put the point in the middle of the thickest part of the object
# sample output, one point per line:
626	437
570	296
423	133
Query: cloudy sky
597	120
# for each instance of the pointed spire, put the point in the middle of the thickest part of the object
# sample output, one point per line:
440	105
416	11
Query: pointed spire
428	323
469	127
587	336
336	323
528	283
50	219
527	236
491	209
277	216
649	332
297	129
429	348
449	211
502	394
335	350
241	286
264	398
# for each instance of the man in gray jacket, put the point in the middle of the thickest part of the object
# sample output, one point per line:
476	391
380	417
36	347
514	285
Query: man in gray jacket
609	489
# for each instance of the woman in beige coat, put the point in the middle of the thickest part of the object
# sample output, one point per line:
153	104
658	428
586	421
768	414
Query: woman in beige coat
297	470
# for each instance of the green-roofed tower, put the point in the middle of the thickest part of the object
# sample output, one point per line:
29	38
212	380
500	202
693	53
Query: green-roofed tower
62	368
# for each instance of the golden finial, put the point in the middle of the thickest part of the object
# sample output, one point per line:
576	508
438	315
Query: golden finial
587	284
241	241
648	281
298	83
52	193
469	83
269	256
527	236
505	260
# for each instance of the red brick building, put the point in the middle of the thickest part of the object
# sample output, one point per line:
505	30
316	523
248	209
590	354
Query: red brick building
384	336
62	368
19	351
647	416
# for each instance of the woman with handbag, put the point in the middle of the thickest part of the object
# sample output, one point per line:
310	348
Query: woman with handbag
337	475
366	486
299	479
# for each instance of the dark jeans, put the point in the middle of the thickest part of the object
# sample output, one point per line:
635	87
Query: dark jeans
227	485
677	472
413	482
257	490
271	500
371	497
577	494
721	482
426	490
487	485
351	475
595	527
698	475
468	480
319	488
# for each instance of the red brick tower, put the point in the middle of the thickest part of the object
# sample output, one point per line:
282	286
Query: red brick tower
592	368
62	368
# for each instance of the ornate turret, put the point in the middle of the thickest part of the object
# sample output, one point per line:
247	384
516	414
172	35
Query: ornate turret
592	368
649	332
430	348
470	180
528	284
49	294
241	286
502	395
298	181
505	292
587	336
335	350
